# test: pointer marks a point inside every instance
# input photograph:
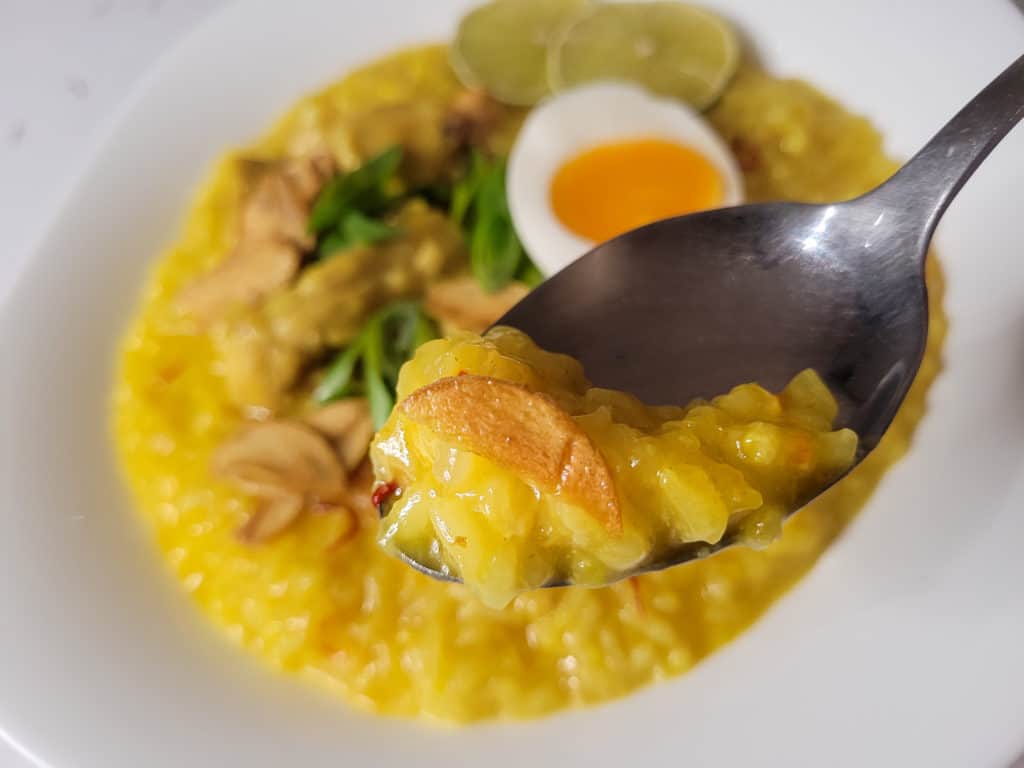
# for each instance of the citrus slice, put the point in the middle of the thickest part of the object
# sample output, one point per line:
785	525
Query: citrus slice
503	46
672	48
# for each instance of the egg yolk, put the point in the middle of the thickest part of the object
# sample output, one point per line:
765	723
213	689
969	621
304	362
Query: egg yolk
616	187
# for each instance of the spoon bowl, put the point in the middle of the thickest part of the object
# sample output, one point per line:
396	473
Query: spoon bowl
692	306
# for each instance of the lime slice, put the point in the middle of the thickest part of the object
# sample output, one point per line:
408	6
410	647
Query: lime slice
672	48
503	46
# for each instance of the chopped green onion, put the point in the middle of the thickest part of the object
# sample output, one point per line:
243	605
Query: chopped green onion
371	363
338	382
381	398
480	207
355	229
330	244
465	190
366	189
495	251
529	274
360	229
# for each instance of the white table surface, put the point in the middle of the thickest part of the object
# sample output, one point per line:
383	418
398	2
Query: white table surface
65	66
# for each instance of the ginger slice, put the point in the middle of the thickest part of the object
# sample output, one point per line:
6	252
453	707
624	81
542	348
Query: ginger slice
349	425
273	516
250	272
523	430
281	458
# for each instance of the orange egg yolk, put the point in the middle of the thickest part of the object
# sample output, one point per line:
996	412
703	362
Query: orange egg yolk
616	187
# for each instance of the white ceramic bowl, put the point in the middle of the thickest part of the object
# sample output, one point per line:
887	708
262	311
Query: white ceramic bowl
903	647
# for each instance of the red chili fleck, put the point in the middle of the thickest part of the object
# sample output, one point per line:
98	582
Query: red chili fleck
382	492
463	372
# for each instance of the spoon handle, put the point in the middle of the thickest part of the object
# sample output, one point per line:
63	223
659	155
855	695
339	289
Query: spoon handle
925	186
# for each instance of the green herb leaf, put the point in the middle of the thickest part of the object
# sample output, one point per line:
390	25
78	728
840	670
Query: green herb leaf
331	244
423	329
355	229
382	400
480	207
529	273
338	381
360	229
371	363
494	248
405	326
381	397
465	190
368	189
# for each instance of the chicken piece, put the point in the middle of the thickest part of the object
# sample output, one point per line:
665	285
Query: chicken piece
273	516
461	303
349	425
282	196
419	127
266	349
307	175
251	271
275	212
257	370
273	237
330	300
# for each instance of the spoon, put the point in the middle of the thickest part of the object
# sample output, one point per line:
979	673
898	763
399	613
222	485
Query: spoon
692	306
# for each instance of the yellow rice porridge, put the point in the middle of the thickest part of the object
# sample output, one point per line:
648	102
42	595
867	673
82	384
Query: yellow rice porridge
313	593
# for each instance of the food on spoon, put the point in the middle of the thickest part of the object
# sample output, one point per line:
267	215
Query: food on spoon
523	430
510	471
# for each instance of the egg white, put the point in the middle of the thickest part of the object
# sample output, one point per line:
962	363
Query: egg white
573	121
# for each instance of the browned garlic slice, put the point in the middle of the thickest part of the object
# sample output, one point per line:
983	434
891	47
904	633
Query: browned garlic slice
523	430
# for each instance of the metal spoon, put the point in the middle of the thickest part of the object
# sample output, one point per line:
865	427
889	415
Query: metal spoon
691	306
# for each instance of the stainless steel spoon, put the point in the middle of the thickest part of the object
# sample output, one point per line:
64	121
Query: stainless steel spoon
691	306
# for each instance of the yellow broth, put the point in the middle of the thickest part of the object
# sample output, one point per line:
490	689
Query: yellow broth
337	608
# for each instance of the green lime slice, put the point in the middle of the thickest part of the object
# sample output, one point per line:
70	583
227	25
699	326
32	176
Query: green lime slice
671	48
503	46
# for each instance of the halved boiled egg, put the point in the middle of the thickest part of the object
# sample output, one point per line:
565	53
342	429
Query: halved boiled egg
602	159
